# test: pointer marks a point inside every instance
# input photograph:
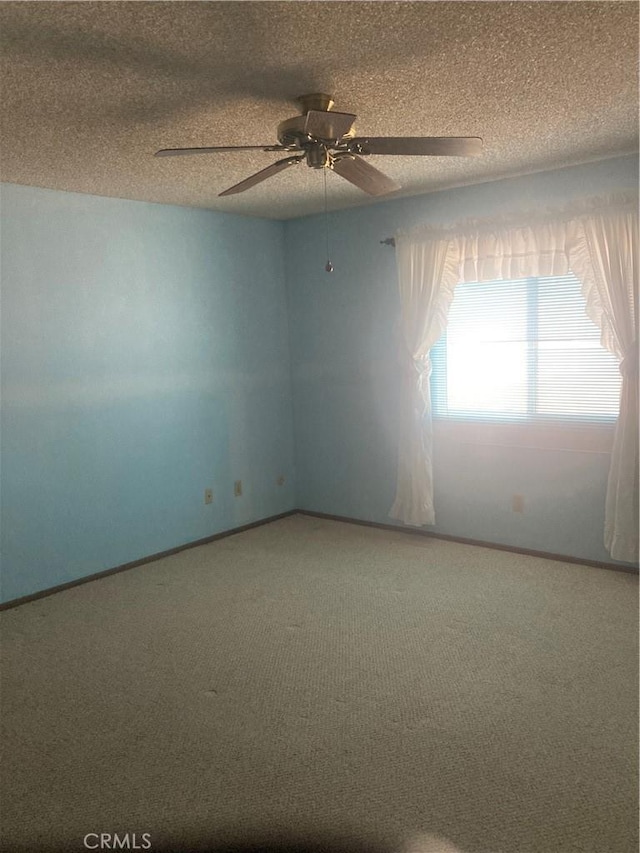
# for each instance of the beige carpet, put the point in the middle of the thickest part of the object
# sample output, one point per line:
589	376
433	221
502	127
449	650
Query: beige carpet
314	675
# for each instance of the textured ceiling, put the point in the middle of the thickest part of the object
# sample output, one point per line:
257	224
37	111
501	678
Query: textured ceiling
91	90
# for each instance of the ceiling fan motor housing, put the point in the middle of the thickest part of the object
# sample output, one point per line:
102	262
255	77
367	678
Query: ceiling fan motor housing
317	156
292	133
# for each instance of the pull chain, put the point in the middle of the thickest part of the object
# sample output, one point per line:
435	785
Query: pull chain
328	265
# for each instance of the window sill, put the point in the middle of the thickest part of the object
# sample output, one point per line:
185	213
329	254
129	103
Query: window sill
588	438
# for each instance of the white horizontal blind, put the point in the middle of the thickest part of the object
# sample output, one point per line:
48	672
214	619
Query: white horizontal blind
523	350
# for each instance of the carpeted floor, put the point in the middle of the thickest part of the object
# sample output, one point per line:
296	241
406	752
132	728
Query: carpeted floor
310	675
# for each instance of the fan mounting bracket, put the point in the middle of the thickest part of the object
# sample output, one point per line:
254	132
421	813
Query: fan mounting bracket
315	101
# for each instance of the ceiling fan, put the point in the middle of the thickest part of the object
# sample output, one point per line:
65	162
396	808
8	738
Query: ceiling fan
327	140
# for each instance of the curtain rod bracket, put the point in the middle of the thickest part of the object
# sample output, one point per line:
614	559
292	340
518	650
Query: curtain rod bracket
389	241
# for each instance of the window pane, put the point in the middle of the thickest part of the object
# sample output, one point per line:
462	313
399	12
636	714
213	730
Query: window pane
486	350
561	313
576	376
489	311
487	377
577	379
523	349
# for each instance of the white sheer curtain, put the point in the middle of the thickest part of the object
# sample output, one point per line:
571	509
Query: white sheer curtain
599	243
606	261
428	270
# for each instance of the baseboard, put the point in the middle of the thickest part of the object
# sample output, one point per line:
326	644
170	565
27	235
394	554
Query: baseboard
496	546
411	531
16	602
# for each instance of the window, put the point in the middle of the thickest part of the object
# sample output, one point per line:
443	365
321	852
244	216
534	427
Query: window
523	351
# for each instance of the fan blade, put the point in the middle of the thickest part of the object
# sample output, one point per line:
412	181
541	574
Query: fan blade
328	126
176	152
262	175
435	146
364	176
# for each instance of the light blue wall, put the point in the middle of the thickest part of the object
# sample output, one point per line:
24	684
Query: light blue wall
144	358
346	382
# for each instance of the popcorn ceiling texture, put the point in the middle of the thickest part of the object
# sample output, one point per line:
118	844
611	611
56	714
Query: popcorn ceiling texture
91	90
310	676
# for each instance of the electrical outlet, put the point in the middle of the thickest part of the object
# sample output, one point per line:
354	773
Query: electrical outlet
517	503
237	488
280	480
208	496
